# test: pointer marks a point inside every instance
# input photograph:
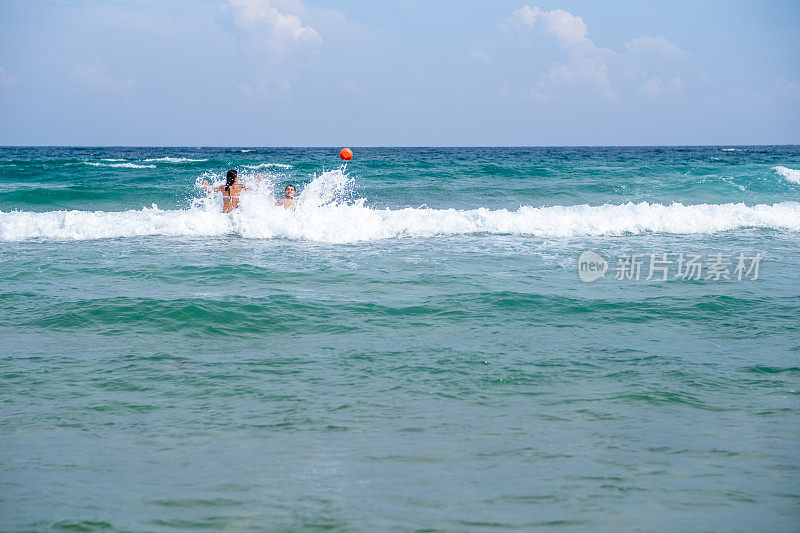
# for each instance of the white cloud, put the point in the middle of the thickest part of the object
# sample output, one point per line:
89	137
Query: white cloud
480	51
266	25
246	88
95	74
670	64
601	70
477	55
585	66
571	31
654	48
787	89
276	88
655	87
580	71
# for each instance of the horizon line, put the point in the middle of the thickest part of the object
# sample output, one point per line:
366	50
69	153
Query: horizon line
278	147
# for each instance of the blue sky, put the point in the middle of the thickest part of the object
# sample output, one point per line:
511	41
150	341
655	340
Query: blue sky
404	72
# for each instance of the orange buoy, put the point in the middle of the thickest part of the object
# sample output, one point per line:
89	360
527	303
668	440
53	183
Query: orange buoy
346	154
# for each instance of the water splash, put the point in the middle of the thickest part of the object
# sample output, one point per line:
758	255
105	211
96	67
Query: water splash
328	210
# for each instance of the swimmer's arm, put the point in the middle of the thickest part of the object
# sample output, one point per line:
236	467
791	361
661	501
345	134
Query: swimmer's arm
210	189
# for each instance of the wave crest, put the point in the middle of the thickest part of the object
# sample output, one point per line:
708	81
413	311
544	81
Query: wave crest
789	174
341	223
117	165
176	160
268	165
328	211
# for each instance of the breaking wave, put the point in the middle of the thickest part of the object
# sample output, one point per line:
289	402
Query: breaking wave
176	160
328	211
268	165
789	174
117	165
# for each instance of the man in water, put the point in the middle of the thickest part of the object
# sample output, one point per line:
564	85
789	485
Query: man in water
289	201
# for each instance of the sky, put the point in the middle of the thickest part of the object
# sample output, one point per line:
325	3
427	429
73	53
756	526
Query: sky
399	72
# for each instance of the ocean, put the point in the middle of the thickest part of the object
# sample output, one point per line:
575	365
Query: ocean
565	339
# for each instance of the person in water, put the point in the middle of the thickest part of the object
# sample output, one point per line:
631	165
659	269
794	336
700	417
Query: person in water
289	193
230	191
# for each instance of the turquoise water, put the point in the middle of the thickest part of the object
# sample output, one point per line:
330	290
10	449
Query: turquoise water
409	348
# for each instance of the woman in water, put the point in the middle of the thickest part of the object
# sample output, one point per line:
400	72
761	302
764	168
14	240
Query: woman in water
230	191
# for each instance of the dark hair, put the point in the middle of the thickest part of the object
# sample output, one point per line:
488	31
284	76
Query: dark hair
290	185
230	179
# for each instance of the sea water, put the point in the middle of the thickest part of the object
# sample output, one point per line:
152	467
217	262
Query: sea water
415	345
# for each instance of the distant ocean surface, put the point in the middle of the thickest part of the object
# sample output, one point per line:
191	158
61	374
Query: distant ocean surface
411	348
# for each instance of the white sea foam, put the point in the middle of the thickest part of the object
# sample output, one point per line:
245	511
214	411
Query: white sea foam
327	213
176	160
789	174
117	165
732	183
355	222
268	165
